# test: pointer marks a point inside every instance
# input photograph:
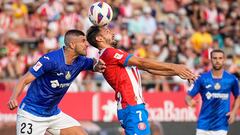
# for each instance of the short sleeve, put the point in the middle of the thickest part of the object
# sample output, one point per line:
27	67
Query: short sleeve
42	66
195	88
88	63
235	88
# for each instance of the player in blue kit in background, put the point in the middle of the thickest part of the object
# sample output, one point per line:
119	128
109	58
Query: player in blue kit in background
215	88
50	79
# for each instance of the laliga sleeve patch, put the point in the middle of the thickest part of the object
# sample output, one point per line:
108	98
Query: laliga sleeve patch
118	56
37	66
141	126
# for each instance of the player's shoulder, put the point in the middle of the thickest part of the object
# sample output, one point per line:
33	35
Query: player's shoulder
53	55
229	75
113	50
52	58
205	75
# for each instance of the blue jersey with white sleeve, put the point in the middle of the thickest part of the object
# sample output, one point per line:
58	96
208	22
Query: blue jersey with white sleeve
53	78
215	95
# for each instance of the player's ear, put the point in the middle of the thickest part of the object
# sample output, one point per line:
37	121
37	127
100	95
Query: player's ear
71	45
99	38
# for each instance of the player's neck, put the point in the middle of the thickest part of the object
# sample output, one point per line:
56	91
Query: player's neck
104	46
217	73
69	56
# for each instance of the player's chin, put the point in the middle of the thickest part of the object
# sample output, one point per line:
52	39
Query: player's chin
83	53
218	66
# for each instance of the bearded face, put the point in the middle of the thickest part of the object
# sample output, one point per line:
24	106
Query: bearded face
217	60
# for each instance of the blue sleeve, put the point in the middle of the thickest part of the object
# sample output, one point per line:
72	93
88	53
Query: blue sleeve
43	65
126	60
88	64
235	88
195	88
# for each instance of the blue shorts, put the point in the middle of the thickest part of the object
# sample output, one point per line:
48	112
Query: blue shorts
134	119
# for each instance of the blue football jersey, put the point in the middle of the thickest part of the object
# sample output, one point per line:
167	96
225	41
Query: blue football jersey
53	78
215	95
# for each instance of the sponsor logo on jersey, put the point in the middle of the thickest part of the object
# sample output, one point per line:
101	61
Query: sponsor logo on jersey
59	74
141	126
208	86
46	57
223	96
118	56
37	66
55	84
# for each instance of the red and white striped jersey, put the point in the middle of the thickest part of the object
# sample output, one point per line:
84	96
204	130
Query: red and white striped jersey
6	22
69	21
125	80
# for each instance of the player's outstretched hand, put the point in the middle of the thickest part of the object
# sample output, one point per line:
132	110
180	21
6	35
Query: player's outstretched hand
99	66
231	116
185	73
12	104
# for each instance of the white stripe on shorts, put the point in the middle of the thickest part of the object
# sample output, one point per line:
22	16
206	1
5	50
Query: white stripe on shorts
210	132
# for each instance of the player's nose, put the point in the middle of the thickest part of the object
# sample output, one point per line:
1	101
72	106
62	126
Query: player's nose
86	44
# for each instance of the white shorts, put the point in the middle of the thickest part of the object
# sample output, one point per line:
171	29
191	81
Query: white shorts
205	132
31	124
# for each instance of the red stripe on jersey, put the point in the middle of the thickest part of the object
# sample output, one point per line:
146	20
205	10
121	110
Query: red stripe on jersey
134	73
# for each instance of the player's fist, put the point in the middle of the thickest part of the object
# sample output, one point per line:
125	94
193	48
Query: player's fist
12	104
99	66
190	101
231	116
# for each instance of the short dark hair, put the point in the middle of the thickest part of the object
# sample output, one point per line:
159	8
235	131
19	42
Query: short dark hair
92	33
216	51
71	33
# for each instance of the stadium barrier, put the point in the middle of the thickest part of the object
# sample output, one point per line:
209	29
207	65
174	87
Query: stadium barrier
100	106
97	113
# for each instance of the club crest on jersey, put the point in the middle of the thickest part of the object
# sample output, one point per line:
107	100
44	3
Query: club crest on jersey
217	86
142	126
68	75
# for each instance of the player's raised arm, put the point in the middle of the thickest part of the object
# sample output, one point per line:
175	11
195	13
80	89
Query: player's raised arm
161	73
162	68
23	81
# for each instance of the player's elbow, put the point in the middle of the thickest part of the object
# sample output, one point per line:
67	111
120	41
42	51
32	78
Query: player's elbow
142	64
138	62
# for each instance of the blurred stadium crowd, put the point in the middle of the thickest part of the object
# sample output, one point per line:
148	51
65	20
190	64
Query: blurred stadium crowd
178	31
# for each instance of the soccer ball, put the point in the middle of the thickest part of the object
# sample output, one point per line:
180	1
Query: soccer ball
100	13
